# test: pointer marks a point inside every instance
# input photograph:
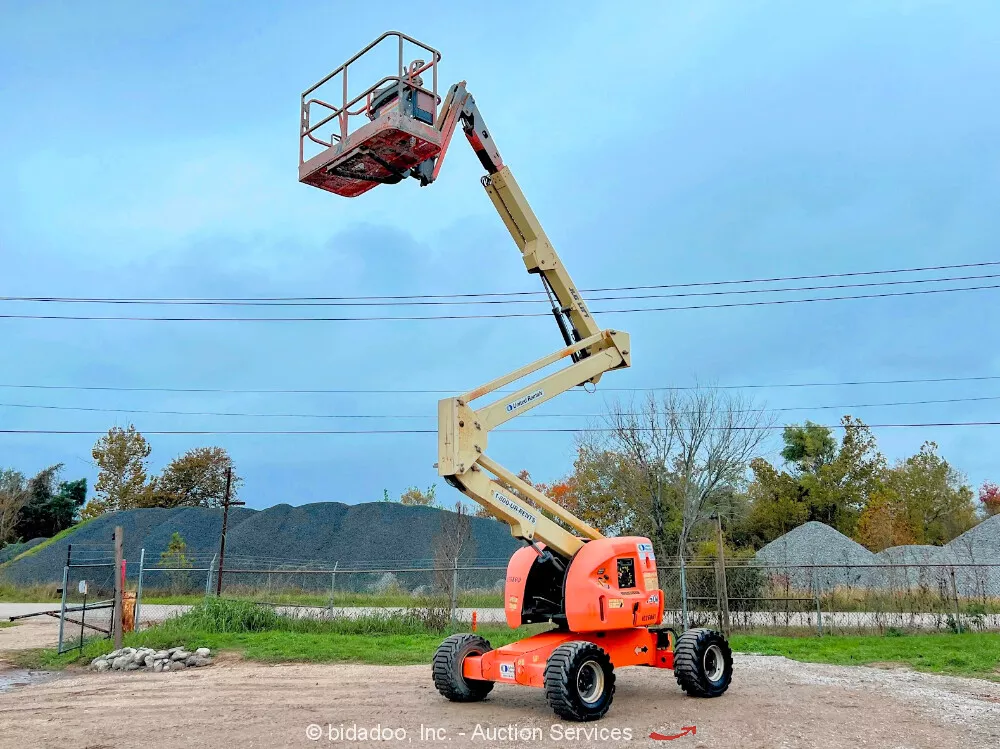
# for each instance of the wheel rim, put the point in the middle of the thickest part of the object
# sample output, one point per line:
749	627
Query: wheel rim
590	682
714	663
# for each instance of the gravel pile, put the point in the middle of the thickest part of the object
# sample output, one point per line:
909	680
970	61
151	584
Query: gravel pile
330	532
814	543
149	659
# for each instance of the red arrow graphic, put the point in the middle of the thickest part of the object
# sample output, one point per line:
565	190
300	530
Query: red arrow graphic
685	730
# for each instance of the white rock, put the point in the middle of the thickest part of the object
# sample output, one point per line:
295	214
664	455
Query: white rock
161	655
148	661
132	666
103	666
198	660
177	665
203	652
158	666
119	663
171	651
166	666
179	655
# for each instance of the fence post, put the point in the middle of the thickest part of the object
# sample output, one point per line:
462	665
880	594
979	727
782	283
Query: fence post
138	587
721	584
684	595
116	622
208	580
454	589
819	608
62	606
954	591
333	585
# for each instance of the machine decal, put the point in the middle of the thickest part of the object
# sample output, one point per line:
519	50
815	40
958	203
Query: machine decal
655	598
615	603
525	400
515	508
646	555
507	671
650	581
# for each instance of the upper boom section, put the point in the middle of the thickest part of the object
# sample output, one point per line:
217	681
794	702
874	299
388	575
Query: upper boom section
407	135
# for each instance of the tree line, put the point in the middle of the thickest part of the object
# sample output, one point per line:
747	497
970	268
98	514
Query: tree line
42	506
663	466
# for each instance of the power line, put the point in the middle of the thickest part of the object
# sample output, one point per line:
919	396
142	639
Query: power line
773	279
499	315
375	391
431	416
454	300
317	432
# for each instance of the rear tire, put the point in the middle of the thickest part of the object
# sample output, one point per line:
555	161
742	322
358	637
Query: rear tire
703	663
447	668
579	681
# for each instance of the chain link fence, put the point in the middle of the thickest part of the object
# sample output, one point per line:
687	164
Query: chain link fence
745	597
836	599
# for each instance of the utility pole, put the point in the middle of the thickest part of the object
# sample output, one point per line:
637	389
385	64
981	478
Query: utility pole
226	503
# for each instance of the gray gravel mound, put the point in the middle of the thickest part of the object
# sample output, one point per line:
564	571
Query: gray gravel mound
384	532
815	543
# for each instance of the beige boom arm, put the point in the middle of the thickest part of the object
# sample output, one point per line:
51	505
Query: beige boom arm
462	430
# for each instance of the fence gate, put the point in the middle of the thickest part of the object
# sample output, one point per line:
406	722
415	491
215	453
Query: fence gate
88	590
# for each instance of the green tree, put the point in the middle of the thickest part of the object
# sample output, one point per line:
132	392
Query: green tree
809	447
195	479
778	503
937	500
175	559
51	506
122	456
13	496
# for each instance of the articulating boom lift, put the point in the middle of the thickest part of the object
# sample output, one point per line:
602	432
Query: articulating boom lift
602	593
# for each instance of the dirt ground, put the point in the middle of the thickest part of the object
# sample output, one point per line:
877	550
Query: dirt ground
773	703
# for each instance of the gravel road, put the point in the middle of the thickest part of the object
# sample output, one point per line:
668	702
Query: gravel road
774	702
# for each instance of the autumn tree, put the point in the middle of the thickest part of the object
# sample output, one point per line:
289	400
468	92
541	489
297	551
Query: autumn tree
417	498
989	498
121	455
13	497
885	522
195	479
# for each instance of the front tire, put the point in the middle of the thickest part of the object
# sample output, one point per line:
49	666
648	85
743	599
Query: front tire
579	681
703	663
447	668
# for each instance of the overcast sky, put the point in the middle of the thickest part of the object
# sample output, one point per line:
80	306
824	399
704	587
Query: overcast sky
150	150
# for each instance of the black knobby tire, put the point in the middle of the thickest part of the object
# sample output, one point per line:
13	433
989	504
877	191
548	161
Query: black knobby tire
579	681
447	668
703	663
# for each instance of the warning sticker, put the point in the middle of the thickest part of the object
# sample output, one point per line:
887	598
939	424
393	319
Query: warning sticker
615	603
507	671
649	581
646	555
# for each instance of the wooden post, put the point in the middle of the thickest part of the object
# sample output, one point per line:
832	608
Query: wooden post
116	621
722	584
226	502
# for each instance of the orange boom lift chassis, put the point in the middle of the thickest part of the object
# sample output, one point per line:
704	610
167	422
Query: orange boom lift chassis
602	594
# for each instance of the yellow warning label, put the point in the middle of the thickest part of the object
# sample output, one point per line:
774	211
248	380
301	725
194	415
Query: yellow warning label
650	581
615	603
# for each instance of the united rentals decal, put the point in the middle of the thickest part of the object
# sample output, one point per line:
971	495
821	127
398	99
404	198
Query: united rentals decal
515	508
525	400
